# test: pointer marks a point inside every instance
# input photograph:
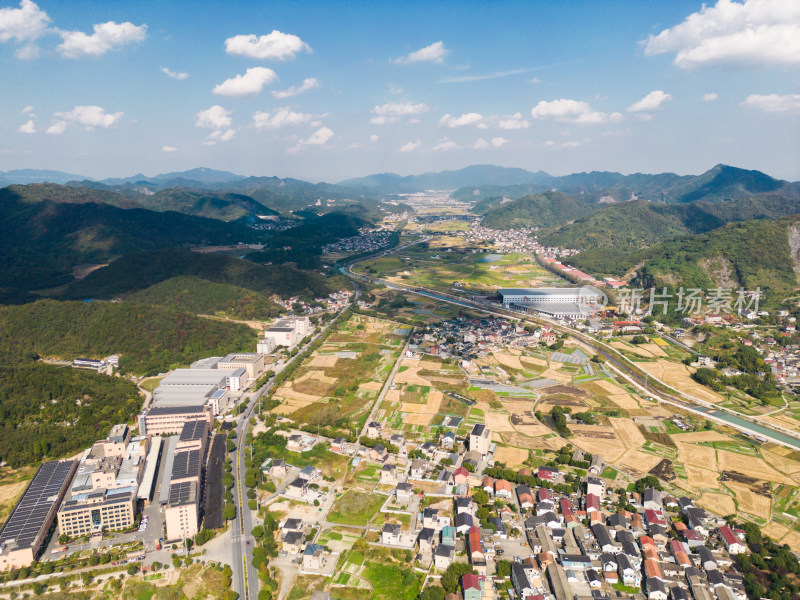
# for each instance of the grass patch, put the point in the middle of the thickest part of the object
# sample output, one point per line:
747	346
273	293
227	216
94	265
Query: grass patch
355	507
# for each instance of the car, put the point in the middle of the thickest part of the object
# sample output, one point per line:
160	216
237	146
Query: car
500	551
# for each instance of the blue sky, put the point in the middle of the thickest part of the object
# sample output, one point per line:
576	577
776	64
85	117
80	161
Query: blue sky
330	90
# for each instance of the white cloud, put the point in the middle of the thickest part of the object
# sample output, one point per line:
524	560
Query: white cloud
571	111
465	119
552	144
514	121
23	24
534	80
57	128
169	149
215	117
773	102
251	83
106	36
410	146
434	53
29	51
445	144
484	77
752	32
373	138
499	141
295	90
282	117
480	144
89	117
219	136
651	101
276	46
173	74
710	97
319	137
28	127
392	111
28	110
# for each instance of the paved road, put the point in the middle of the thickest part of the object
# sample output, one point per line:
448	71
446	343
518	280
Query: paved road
244	523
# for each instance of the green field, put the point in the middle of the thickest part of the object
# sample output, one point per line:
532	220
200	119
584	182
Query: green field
355	507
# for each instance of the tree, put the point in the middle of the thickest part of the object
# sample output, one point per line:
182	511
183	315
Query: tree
504	568
480	497
63	538
452	576
229	511
133	569
433	592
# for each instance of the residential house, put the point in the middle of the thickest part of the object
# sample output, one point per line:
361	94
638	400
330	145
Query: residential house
388	475
374	430
403	493
314	558
443	556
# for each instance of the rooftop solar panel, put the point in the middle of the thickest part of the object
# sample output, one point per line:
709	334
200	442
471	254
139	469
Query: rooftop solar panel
29	515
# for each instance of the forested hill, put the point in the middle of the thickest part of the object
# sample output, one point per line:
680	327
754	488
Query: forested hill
41	242
143	269
752	254
638	224
151	339
536	210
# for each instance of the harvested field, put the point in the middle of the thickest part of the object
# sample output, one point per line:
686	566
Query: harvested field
548	403
432	365
374	386
701	436
699	456
290	394
750	466
410	375
702	478
775	530
781	463
627	432
628	403
497	421
431	408
392	396
653	349
720	504
537	362
327	360
520	440
750	502
638	349
418	419
598	432
679	376
510	456
608	386
509	360
555	375
640	462
290	405
793	539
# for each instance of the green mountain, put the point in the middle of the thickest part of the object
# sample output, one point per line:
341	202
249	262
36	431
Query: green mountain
43	241
537	210
141	270
639	224
150	338
635	224
200	296
758	253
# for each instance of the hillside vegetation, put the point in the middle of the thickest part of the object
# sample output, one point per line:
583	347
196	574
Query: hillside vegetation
144	269
151	339
55	411
536	210
199	296
41	242
750	254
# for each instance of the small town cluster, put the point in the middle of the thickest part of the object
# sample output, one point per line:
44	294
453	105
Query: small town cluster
565	538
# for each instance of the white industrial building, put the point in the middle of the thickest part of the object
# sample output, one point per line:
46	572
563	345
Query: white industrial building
567	302
288	331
